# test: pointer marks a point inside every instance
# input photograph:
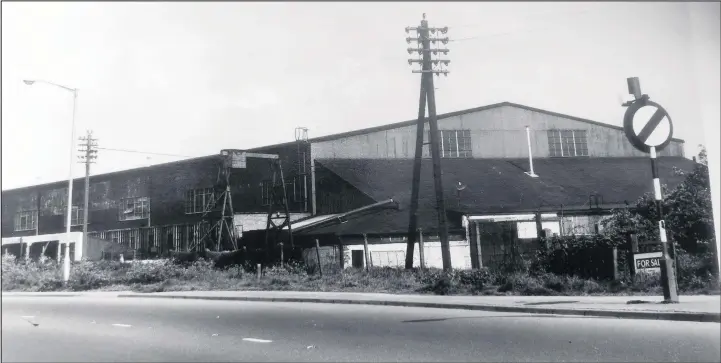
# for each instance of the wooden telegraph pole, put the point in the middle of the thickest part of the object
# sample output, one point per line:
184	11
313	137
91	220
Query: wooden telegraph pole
88	154
427	96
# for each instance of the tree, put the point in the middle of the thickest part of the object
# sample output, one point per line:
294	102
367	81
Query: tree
687	212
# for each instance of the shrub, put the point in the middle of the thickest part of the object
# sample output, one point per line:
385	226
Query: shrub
475	278
585	256
29	276
89	276
148	273
46	275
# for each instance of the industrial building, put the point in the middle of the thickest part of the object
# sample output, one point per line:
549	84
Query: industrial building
578	171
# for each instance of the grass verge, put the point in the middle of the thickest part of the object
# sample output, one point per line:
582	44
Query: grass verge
46	275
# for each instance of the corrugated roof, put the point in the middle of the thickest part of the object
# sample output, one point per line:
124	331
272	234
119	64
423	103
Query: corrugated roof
496	186
354	133
463	112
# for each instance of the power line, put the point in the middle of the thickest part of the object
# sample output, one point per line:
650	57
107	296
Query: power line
529	18
144	152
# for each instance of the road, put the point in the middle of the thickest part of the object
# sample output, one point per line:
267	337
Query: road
91	329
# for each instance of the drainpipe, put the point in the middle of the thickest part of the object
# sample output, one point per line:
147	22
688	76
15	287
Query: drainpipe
312	184
530	155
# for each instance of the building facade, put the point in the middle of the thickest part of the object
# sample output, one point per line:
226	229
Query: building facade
591	166
584	168
159	208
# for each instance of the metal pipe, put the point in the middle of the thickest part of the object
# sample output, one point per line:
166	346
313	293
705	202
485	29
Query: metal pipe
66	262
346	214
530	154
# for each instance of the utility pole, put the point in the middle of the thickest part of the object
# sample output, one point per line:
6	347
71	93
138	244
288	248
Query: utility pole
427	97
88	154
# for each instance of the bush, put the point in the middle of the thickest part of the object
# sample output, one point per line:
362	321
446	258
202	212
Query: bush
46	275
584	256
30	276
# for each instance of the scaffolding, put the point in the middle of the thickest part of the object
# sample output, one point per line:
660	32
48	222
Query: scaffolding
278	212
218	214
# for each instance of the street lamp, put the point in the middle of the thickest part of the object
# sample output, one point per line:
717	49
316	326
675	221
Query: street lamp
66	261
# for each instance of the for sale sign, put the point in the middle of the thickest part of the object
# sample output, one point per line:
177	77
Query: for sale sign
647	262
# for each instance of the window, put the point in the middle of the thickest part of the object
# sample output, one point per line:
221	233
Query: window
581	225
76	217
295	189
26	220
567	143
388	258
302	162
391	151
426	143
265	193
134	208
396	239
453	143
199	200
292	188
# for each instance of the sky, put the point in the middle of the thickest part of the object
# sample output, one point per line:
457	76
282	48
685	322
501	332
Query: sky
189	79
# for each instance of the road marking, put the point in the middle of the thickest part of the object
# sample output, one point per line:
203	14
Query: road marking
122	325
254	340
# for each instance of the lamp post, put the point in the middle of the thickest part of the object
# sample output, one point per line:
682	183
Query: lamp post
74	91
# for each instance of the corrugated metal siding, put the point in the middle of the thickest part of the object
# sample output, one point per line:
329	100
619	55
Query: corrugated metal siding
495	133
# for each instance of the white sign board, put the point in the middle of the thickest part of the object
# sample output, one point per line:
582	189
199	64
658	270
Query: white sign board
647	262
238	160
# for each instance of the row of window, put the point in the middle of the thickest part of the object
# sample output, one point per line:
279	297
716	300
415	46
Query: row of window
294	188
561	143
196	201
130	209
567	143
454	143
28	220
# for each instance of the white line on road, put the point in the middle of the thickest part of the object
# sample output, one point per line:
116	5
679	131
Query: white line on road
254	340
122	325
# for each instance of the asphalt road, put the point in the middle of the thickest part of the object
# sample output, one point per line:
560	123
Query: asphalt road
85	329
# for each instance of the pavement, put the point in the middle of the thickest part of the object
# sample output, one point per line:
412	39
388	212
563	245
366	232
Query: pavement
102	328
690	308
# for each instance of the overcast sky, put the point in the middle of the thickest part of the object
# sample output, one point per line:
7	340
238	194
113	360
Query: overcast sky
189	79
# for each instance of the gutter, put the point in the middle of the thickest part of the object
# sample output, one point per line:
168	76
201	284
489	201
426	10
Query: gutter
547	209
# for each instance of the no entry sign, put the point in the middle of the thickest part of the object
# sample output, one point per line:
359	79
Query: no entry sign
647	125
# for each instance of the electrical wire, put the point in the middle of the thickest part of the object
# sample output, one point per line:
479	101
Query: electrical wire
374	60
530	18
144	152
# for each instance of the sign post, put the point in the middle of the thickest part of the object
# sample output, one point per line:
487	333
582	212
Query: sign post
648	127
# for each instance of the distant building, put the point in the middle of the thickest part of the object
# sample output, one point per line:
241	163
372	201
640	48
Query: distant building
158	208
584	169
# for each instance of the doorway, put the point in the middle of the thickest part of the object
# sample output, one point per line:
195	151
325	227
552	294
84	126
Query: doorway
357	258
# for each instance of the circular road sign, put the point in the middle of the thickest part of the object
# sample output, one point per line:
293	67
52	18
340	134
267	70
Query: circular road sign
647	125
